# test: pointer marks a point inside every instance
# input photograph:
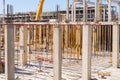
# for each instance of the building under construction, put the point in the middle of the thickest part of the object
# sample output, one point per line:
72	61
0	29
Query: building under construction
79	43
47	16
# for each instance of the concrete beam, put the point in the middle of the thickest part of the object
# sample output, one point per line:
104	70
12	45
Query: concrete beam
9	52
115	46
57	55
86	50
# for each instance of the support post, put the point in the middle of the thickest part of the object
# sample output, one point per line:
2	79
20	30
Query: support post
57	56
119	13
23	46
28	42
104	14
109	11
67	11
72	11
96	10
115	53
9	52
84	11
100	10
86	50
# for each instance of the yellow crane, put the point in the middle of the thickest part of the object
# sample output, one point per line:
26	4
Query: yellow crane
38	29
39	11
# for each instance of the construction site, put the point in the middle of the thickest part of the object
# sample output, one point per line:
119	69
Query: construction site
80	42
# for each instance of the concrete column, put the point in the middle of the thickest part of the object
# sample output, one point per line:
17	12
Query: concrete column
119	13
57	56
84	11
28	41
67	11
115	53
100	10
21	37
9	52
96	10
74	11
86	49
104	14
109	11
23	46
0	40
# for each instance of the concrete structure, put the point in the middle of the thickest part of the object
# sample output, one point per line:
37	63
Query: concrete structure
75	13
67	10
57	46
86	57
28	42
85	11
57	57
119	13
64	38
115	54
92	14
96	10
9	52
23	45
109	11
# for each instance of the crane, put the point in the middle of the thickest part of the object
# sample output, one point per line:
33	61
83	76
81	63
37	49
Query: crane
39	11
37	18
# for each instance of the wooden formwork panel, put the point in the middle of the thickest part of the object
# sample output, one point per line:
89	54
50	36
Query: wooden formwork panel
41	37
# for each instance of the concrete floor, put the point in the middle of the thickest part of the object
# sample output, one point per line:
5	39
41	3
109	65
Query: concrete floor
71	70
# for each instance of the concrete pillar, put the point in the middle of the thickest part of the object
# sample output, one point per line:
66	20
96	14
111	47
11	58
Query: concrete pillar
109	11
0	40
9	52
115	53
57	56
86	50
67	11
100	10
104	14
23	46
28	41
84	11
119	13
96	10
72	11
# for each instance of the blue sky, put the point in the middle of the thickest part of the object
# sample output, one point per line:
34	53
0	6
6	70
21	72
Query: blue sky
31	5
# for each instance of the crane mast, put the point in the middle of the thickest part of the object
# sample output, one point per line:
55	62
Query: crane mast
39	11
